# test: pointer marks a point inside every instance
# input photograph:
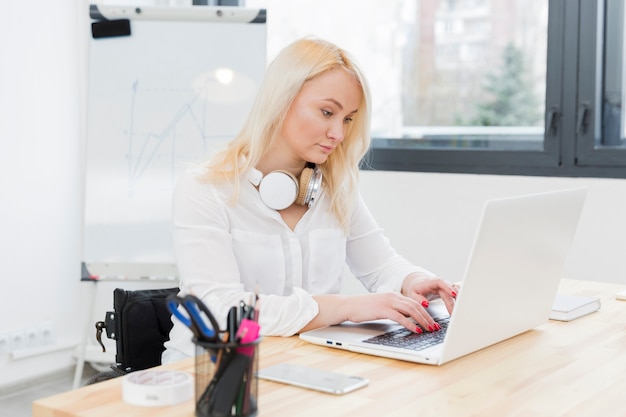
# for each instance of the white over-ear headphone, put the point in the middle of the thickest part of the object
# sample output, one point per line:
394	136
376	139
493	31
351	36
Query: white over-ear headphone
280	189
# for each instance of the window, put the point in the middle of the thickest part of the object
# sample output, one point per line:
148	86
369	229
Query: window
528	87
600	115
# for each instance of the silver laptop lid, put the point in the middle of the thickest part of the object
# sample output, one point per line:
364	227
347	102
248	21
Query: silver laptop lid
514	268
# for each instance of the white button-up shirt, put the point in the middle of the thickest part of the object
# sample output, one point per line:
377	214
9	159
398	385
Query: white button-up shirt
225	252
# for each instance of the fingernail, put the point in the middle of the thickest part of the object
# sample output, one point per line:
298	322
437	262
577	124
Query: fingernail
418	329
425	304
437	326
431	328
454	294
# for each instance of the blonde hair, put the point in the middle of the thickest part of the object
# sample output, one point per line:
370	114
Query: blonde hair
299	62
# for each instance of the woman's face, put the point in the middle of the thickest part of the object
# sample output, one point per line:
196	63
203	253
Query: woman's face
320	115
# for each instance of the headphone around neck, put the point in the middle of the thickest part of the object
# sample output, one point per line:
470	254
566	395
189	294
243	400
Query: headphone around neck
280	189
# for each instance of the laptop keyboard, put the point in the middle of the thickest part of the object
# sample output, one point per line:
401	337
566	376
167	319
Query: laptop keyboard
405	339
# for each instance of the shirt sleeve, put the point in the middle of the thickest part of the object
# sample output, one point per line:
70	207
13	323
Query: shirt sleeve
208	267
370	256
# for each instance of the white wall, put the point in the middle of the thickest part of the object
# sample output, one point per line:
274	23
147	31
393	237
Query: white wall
430	218
40	148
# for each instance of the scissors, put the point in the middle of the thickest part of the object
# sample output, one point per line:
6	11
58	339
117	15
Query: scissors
194	315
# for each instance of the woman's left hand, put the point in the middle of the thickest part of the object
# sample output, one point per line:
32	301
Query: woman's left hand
423	288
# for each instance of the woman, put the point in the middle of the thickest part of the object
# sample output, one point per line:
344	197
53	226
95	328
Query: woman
238	231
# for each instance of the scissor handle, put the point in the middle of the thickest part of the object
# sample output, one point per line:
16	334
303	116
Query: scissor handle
173	301
194	318
195	306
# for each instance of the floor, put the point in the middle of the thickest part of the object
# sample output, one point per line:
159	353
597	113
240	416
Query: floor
19	402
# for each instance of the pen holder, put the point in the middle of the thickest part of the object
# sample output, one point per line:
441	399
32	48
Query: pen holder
226	381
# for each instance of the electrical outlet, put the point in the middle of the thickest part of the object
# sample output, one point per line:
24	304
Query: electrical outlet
5	342
32	336
46	333
18	340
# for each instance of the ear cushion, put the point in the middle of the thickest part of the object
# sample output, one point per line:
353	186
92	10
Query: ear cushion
278	189
305	179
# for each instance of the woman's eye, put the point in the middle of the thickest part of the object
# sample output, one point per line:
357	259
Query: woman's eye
348	119
327	113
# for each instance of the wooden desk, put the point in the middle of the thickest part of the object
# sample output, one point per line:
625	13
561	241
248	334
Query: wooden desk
559	369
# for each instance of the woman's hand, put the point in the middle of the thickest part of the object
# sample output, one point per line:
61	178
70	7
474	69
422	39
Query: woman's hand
422	288
393	306
407	308
335	309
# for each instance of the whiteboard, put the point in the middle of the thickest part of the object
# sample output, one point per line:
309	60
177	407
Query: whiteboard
175	89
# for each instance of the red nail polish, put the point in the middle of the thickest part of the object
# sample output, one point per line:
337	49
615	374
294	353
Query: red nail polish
418	329
437	326
454	294
430	327
425	304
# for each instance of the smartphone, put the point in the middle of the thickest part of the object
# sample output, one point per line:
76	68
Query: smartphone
311	378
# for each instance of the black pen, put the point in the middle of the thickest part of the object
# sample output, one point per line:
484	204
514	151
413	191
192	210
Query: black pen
233	323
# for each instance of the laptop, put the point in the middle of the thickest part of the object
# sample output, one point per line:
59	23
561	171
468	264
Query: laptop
510	283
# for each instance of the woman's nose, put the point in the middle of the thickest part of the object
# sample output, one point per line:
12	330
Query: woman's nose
336	132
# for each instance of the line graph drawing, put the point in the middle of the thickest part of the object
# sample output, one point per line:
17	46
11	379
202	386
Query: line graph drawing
201	118
144	148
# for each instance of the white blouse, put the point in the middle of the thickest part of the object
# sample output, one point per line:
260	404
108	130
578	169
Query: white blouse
225	252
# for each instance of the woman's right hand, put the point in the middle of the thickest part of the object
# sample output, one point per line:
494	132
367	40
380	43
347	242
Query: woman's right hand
393	306
335	309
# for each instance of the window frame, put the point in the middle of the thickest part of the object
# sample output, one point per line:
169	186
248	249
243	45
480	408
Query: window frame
569	138
588	154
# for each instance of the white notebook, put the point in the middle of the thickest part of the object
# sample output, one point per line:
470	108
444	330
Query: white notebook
569	307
